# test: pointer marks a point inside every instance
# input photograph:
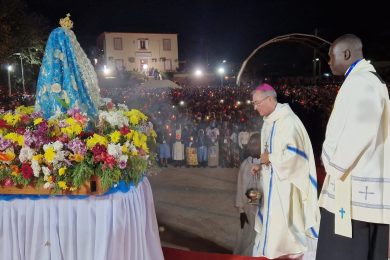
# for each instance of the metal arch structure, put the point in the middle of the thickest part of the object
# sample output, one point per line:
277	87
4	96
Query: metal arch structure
309	40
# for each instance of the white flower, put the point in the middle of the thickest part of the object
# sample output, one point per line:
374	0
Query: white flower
114	118
26	154
123	107
132	147
114	150
36	168
46	171
48	185
123	158
57	145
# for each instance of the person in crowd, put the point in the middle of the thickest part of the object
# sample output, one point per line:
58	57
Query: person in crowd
178	148
355	197
243	138
164	150
225	144
213	148
245	180
288	219
201	143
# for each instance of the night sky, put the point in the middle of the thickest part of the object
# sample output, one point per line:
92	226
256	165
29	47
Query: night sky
214	30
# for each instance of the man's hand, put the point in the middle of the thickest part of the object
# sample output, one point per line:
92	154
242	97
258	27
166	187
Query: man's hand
264	158
243	219
255	169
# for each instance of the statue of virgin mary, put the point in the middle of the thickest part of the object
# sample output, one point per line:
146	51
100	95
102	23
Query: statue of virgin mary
67	78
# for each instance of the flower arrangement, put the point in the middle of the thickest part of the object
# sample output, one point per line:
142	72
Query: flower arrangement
63	152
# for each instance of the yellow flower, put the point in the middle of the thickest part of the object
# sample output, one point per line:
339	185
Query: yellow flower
115	137
61	171
136	140
50	154
38	120
135	116
153	133
38	158
124	149
7	157
72	188
96	139
24	110
62	185
73	128
129	136
76	157
134	119
12	119
16	138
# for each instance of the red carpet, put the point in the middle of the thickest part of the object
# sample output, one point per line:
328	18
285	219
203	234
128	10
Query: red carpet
177	254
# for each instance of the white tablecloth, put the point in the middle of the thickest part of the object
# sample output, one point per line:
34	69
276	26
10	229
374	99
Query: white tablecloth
113	227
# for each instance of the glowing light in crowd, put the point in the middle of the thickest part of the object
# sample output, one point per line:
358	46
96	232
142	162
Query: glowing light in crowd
145	66
106	70
248	102
221	101
198	72
221	71
181	103
10	68
238	103
173	106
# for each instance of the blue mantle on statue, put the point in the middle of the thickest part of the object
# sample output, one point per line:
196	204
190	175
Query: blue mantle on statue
67	78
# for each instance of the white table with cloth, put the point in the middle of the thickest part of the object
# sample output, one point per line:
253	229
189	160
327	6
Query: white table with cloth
120	224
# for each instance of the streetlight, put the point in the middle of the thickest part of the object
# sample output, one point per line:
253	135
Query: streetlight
21	66
221	71
198	72
9	69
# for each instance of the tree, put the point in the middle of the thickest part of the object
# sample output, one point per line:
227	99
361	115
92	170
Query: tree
24	33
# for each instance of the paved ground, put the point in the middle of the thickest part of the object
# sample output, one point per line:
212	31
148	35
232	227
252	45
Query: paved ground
195	206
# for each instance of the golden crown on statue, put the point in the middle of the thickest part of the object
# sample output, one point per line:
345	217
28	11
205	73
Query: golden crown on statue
66	22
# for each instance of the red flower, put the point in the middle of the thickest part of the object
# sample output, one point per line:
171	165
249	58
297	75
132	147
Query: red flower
124	130
3	124
27	171
20	130
25	119
110	161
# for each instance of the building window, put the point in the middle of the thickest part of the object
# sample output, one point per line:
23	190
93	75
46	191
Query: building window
166	44
118	44
143	44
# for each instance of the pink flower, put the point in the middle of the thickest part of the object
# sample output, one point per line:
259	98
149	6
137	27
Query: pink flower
8	183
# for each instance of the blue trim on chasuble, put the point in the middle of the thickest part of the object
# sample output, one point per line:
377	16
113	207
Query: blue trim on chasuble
270	138
269	190
60	79
269	201
303	154
314	233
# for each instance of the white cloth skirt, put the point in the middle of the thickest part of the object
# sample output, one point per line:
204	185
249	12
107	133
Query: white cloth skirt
115	226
